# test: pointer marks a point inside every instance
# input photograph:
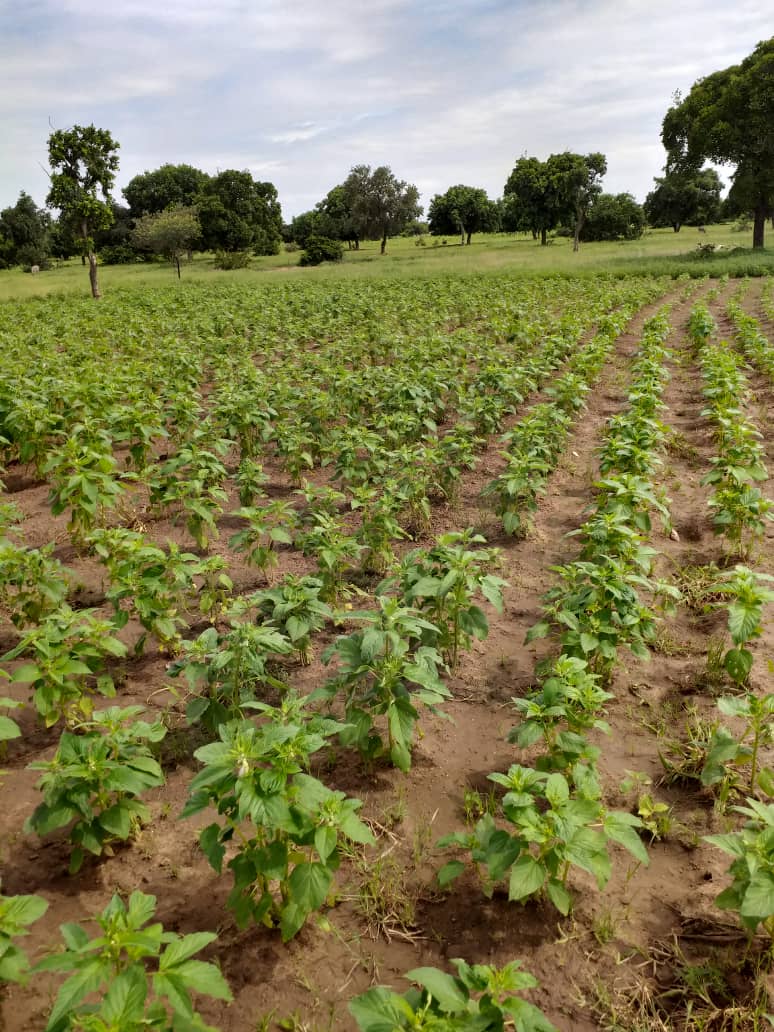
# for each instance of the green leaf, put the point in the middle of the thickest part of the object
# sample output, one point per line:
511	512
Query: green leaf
125	999
182	949
442	987
758	899
559	896
308	885
201	977
380	1010
738	663
449	872
527	878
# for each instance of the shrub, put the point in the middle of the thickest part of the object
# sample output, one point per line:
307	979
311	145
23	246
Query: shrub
321	249
230	260
119	254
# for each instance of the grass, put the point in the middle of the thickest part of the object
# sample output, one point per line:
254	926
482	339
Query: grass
658	252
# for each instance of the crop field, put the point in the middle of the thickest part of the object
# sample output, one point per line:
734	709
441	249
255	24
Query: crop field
364	628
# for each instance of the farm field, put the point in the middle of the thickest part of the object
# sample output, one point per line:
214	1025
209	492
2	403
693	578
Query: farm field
353	545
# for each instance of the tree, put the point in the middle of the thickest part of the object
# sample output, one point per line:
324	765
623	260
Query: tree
171	233
726	118
614	217
540	195
83	163
464	210
165	187
573	182
690	197
237	213
24	233
525	200
380	205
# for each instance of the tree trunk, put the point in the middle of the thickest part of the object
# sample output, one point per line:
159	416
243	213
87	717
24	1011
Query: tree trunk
177	261
83	259
543	240
534	234
579	220
462	235
357	243
759	225
384	242
676	227
93	275
469	236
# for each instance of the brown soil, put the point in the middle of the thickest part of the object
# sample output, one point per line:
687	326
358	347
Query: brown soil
604	941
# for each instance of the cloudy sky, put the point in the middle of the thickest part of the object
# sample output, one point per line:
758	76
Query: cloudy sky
298	91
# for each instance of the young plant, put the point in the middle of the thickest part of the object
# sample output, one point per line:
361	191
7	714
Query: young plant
479	998
95	779
223	672
726	748
443	584
554	824
751	893
17	913
83	480
286	825
250	480
33	584
569	703
266	527
134	975
295	607
336	552
747	594
383	671
68	653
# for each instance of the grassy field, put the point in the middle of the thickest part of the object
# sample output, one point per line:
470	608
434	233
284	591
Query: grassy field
658	252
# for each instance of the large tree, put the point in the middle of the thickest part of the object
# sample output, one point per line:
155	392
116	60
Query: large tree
24	233
727	118
237	213
464	210
380	205
83	163
690	197
169	185
171	233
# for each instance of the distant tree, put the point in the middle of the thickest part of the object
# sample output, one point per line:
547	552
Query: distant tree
321	249
380	205
541	195
237	213
336	209
165	187
171	233
525	201
573	183
690	198
727	118
465	210
83	163
614	217
25	233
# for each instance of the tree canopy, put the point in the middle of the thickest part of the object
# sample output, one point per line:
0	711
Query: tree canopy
726	118
541	195
614	217
164	187
171	233
238	213
24	233
464	210
379	204
690	197
83	163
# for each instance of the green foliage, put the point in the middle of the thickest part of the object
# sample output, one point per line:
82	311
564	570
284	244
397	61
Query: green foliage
751	893
687	197
224	671
379	204
614	217
238	213
443	583
554	823
319	249
24	234
479	997
95	779
33	584
747	593
143	976
171	233
164	187
17	913
230	260
296	608
266	527
384	671
68	654
83	480
465	210
286	825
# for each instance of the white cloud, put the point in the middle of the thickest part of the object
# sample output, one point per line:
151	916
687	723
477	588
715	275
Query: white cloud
444	91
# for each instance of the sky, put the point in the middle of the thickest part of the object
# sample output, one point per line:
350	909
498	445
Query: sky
299	91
